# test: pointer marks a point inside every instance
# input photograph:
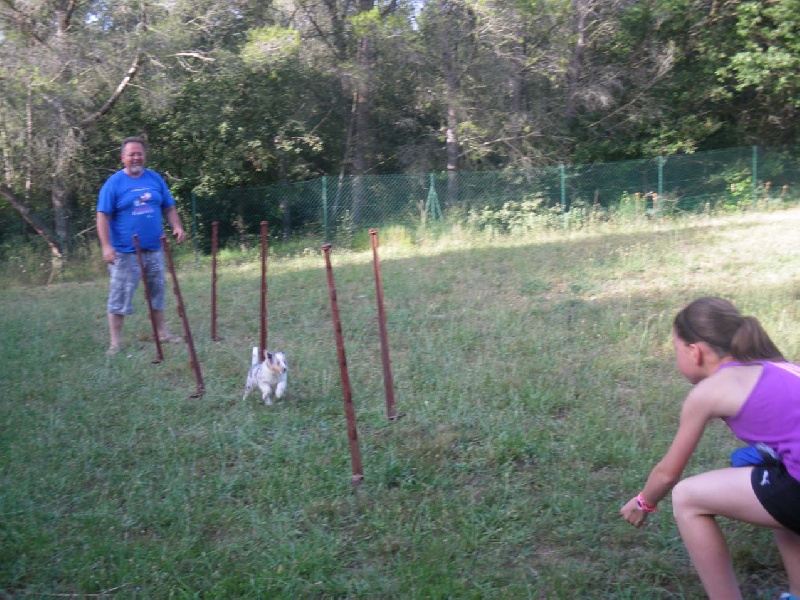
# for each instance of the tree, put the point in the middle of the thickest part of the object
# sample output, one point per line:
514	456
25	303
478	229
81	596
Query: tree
65	64
350	32
692	75
766	67
449	31
516	82
32	219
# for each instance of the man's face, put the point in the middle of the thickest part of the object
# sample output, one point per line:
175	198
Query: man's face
133	157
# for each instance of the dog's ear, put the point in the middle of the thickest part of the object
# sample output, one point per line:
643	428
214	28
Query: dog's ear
270	358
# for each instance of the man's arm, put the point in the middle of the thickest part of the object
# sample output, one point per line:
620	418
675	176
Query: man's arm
104	233
174	220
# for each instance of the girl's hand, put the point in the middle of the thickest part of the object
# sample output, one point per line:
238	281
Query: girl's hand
633	514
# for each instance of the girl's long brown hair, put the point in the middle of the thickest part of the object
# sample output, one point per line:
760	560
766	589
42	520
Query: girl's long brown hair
718	323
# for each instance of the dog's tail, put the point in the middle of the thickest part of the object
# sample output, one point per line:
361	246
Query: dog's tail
255	360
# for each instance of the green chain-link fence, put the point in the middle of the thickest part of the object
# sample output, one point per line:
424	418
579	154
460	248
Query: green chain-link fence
706	181
558	196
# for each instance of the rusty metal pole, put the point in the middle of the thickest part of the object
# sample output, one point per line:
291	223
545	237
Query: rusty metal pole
262	351
198	377
352	432
214	236
159	354
388	380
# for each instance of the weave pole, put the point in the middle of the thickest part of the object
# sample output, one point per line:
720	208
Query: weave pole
352	432
388	380
198	377
214	236
262	351
159	354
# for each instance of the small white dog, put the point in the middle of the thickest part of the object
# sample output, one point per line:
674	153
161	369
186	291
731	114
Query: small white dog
269	376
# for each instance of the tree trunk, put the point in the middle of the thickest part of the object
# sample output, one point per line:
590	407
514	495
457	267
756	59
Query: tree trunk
361	134
8	171
33	220
574	69
28	146
452	151
60	198
451	133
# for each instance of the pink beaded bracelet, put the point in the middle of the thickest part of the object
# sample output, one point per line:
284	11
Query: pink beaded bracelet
644	506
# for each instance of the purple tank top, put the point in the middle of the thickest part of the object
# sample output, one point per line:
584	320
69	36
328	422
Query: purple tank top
771	413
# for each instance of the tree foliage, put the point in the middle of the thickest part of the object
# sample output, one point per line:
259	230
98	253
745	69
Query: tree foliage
242	92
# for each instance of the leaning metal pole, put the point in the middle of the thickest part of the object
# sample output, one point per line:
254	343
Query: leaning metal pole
214	237
352	432
159	354
388	380
198	377
263	347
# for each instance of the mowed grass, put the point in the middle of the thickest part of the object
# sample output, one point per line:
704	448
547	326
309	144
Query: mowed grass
538	386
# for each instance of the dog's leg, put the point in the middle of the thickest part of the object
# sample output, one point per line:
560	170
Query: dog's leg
249	382
267	396
280	389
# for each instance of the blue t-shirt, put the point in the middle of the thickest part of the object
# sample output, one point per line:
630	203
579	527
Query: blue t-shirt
135	205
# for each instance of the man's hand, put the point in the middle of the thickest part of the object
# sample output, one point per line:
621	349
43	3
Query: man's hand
104	235
175	224
179	234
109	254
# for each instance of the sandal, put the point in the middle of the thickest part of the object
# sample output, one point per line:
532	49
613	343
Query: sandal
113	350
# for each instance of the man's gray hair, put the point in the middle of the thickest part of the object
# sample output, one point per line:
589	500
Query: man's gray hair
133	139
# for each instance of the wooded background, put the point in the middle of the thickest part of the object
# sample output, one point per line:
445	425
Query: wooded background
237	93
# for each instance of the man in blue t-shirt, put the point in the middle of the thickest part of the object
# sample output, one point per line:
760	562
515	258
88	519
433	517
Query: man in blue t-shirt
133	201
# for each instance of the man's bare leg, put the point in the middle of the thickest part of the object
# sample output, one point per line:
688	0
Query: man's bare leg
164	334
115	333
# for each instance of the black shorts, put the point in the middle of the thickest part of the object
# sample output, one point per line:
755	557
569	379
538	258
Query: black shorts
779	493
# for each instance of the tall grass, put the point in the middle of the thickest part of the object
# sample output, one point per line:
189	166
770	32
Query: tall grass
537	383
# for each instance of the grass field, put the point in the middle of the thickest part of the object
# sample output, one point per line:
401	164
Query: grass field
538	384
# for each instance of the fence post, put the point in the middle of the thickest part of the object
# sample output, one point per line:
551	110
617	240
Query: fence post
431	191
432	203
755	175
660	175
325	206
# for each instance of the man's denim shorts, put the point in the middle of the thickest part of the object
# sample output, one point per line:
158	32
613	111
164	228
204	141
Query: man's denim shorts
125	277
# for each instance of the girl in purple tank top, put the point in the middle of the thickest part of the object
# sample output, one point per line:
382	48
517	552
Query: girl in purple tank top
740	376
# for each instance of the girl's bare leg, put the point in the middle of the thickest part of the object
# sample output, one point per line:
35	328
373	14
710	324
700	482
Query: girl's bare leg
696	501
789	547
